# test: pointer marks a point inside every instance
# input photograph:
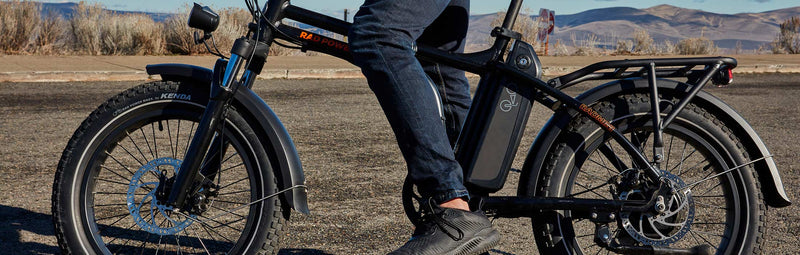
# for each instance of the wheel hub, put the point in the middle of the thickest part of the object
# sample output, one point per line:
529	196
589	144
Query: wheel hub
670	220
147	211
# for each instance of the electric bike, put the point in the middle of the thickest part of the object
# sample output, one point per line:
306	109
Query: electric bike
647	163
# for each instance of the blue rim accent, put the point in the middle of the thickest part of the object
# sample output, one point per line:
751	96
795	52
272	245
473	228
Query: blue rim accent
147	219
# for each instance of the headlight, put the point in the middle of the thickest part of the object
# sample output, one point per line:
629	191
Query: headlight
203	18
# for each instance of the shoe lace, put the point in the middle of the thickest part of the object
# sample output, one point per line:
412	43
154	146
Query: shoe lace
438	219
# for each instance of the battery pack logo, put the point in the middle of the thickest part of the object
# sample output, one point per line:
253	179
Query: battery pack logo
508	104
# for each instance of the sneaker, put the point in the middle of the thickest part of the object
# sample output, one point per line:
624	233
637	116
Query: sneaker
452	232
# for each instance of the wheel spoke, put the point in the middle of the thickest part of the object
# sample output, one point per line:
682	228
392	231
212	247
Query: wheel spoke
602	166
177	137
208	227
132	156
113	216
694	166
135	145
114	172
229	202
669	152
704	239
709	223
612	157
709	234
115	222
155	142
590	190
191	135
238	181
200	240
120	163
223	209
229	168
710	189
112	181
150	148
116	238
234	192
683	158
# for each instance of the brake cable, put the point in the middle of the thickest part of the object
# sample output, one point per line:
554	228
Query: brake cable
245	205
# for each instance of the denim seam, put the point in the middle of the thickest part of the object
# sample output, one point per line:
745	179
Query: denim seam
448	195
449	115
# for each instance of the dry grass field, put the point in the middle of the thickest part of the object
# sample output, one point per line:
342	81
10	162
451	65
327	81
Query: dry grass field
353	166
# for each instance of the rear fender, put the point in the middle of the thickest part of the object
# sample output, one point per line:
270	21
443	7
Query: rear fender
277	142
771	184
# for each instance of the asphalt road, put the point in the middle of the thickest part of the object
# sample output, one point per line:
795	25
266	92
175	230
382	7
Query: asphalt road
353	166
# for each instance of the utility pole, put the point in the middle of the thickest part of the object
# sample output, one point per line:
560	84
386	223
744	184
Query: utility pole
346	12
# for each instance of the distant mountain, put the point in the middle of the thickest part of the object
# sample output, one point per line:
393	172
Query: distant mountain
67	9
663	22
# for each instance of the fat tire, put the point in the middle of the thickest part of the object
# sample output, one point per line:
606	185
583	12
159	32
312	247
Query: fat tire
554	173
273	214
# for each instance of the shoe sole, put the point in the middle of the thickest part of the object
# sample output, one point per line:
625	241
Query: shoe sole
481	243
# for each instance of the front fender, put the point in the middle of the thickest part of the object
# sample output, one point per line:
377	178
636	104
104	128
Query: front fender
771	184
276	140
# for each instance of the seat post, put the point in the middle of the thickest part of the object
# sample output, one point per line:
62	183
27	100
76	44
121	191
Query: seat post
511	14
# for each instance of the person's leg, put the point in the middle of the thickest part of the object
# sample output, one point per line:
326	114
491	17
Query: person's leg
382	41
449	32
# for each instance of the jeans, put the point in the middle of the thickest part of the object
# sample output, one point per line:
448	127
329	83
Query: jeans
425	103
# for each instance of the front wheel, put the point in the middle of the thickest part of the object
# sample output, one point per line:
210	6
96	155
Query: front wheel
109	187
721	210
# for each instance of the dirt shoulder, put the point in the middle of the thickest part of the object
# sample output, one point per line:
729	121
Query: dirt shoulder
14	68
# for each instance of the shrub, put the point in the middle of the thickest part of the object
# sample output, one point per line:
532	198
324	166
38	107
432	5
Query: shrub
585	47
95	31
788	40
130	34
624	47
525	25
668	47
85	30
52	35
643	43
18	23
695	46
179	37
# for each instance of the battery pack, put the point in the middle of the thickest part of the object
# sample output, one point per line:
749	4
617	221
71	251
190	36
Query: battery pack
493	129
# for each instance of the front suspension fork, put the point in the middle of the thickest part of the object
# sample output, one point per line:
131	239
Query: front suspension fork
204	138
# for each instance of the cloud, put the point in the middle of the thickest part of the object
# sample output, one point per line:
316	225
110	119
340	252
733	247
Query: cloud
761	1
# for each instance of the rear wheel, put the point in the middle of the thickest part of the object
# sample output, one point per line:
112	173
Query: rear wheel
109	187
724	211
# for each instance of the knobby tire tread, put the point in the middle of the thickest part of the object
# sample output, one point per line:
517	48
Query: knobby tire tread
543	232
278	222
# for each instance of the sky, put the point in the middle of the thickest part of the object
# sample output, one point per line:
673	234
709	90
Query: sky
336	7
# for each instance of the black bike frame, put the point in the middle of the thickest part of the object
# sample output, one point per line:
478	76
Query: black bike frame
251	53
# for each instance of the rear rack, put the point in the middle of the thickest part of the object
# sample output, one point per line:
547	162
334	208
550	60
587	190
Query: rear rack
664	68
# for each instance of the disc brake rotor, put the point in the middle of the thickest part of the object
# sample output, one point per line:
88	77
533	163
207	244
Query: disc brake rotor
146	211
664	228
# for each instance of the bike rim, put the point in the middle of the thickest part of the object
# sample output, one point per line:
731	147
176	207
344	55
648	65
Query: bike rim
687	151
112	227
